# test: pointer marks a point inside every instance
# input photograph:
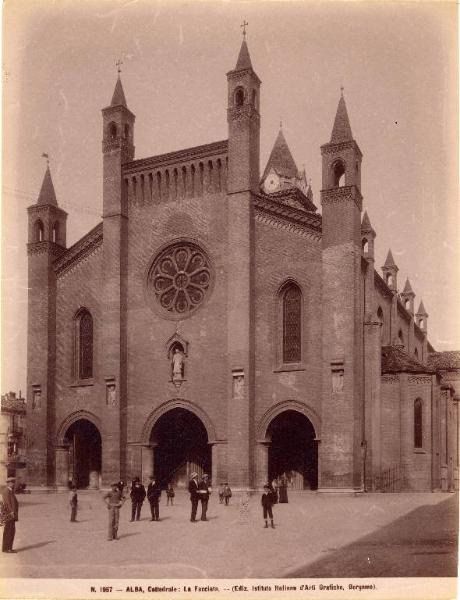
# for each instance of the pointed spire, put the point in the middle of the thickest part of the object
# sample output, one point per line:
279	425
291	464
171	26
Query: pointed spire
244	60
118	98
421	310
47	194
366	224
281	159
390	260
408	288
341	132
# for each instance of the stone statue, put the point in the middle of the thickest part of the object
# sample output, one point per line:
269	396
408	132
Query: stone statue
178	363
111	394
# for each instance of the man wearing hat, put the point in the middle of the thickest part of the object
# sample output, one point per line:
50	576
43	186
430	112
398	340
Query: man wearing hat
11	509
114	501
203	487
194	495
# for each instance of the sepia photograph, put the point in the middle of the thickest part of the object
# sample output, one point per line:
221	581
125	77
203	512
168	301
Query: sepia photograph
230	299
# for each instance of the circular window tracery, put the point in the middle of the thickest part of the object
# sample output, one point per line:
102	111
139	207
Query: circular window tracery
180	278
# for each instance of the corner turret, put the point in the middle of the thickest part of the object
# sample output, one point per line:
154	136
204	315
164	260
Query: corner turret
407	297
390	272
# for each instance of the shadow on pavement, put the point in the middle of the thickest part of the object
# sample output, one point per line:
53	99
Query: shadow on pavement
32	546
422	543
124	535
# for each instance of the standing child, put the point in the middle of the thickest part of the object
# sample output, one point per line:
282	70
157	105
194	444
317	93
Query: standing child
73	501
267	503
170	494
221	493
227	494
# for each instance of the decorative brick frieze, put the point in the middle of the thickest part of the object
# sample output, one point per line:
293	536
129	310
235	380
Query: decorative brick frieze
280	223
390	379
247	111
79	251
177	158
337	148
44	248
342	194
419	379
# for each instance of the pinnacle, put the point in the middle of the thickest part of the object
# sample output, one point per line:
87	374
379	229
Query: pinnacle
47	194
408	288
281	159
118	98
422	310
341	132
366	224
390	260
244	60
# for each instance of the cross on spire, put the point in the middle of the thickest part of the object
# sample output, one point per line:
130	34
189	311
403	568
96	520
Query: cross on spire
243	26
45	155
119	63
341	90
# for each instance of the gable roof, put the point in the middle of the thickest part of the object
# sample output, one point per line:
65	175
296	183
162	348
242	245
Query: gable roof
444	361
397	360
281	159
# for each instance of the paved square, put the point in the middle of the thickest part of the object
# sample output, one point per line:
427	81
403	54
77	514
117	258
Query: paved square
316	535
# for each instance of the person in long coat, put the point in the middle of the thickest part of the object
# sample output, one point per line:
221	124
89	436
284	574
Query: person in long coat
283	496
11	507
194	495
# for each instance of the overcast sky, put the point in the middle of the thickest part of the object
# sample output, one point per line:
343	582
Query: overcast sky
396	61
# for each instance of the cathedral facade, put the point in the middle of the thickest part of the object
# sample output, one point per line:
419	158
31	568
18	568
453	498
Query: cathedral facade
215	321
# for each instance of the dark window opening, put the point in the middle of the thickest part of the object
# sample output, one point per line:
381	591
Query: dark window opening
418	424
292	326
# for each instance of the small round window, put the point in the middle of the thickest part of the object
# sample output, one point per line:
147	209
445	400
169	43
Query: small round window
180	278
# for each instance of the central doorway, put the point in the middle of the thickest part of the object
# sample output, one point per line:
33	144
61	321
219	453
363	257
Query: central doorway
85	454
181	447
293	451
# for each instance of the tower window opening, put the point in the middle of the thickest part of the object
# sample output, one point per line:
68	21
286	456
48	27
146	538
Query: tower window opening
407	303
112	131
389	279
254	97
338	171
401	338
416	353
418	423
126	131
56	233
39	231
239	97
365	246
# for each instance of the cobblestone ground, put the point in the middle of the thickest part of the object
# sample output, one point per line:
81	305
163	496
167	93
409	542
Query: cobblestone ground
316	535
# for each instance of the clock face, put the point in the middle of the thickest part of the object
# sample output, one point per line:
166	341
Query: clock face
271	183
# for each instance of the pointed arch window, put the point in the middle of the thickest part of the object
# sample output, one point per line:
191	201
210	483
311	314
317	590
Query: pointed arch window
84	345
292	323
418	423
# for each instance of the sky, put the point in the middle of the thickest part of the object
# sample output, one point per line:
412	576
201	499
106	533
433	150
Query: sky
397	62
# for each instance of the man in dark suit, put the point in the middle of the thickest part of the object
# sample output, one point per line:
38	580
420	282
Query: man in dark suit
137	499
153	496
11	505
203	488
194	495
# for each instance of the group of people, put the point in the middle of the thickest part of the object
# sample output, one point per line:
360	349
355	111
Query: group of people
199	490
115	499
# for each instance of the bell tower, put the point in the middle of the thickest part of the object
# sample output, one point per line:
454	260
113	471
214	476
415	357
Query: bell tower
342	319
118	149
242	183
46	241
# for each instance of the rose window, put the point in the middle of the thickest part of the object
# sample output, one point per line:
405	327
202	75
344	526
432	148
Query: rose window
180	278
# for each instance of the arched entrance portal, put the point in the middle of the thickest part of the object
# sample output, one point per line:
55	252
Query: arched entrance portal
181	446
85	453
293	450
